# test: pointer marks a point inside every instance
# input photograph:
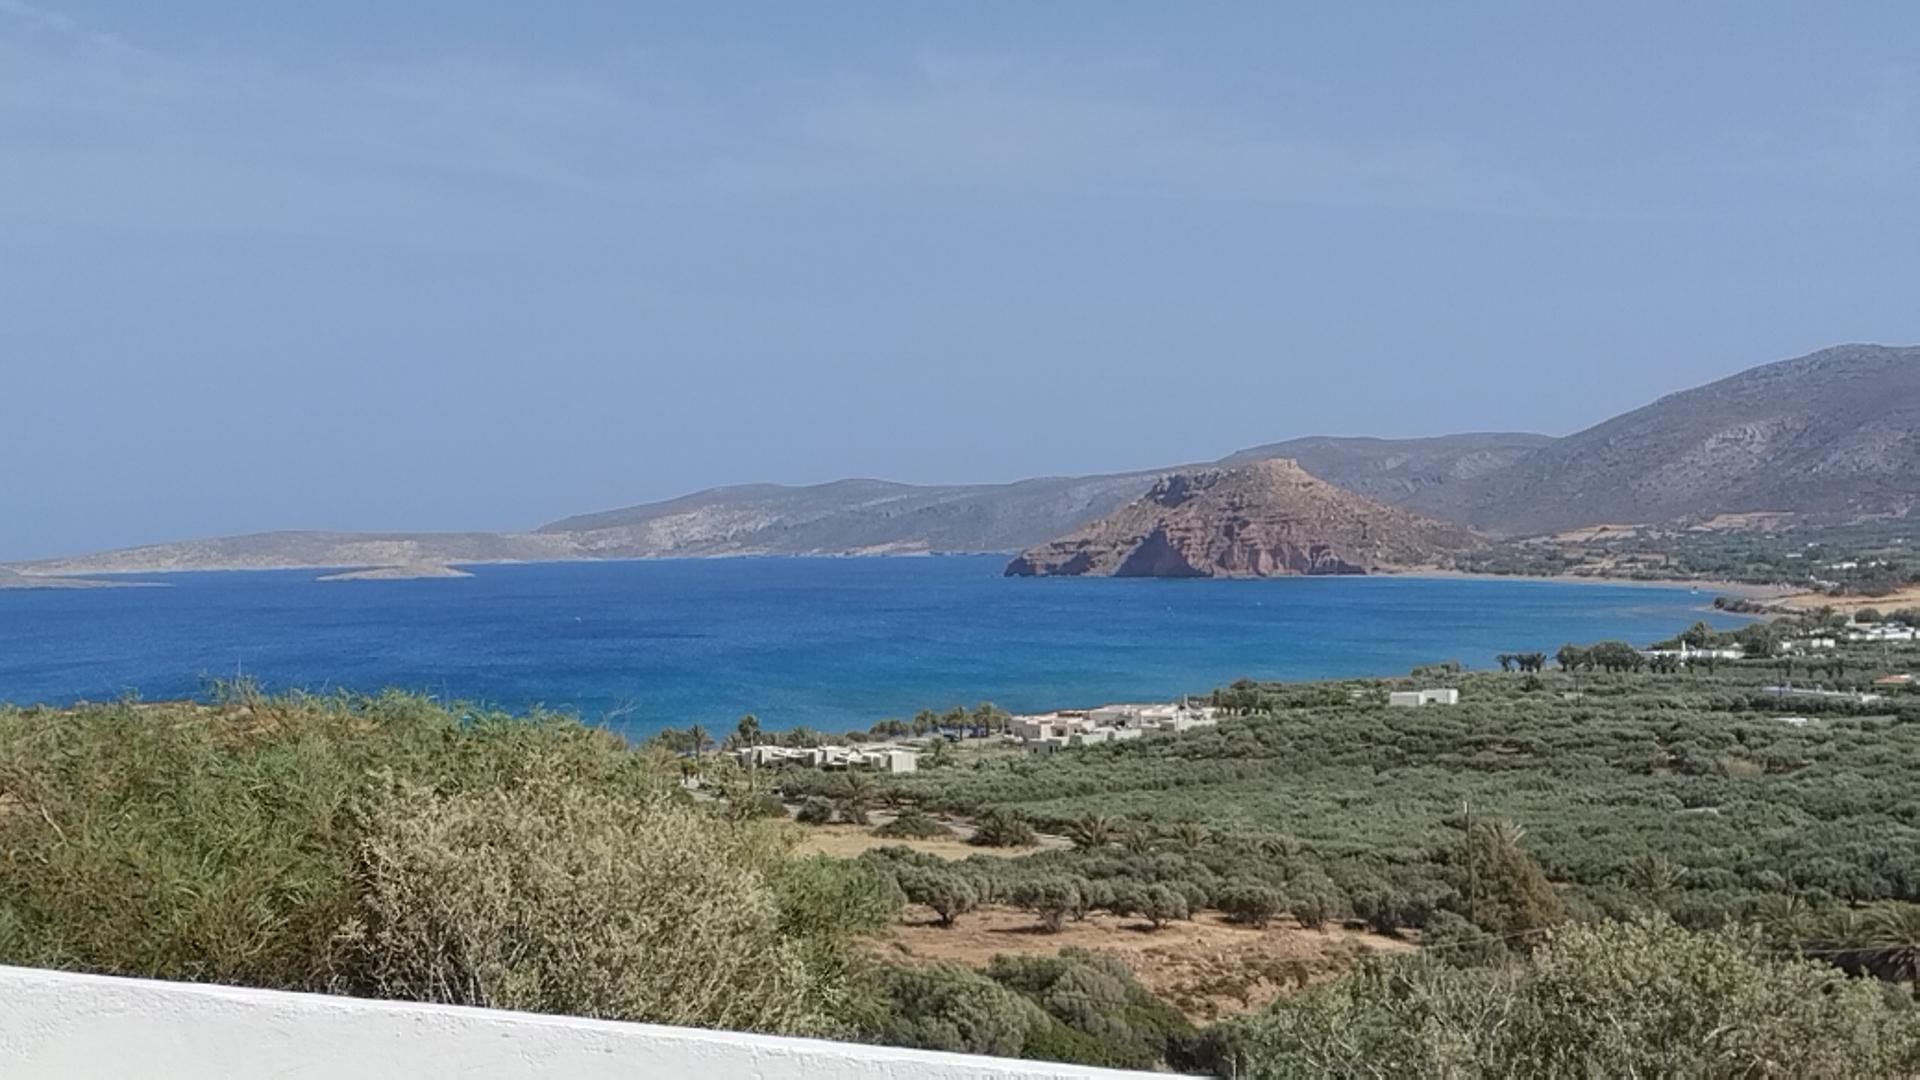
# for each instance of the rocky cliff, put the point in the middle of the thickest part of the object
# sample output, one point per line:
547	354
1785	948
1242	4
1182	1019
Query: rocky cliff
1257	519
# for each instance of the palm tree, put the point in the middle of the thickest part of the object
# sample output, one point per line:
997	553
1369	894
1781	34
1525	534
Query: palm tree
1653	874
1277	846
1190	835
940	754
749	730
1788	921
701	741
855	793
1895	951
1504	833
1136	840
1092	831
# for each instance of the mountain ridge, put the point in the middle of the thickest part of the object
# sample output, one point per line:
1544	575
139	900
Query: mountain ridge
1835	433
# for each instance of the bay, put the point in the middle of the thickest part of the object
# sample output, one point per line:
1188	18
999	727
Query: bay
828	643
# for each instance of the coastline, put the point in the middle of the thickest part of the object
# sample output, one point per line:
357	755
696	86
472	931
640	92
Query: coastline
338	571
1744	589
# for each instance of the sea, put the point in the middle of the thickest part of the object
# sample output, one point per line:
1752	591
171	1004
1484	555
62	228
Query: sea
830	643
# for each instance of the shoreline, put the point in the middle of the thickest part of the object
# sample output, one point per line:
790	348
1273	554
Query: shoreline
1744	589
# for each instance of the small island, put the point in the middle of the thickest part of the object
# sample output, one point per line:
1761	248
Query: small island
403	572
13	579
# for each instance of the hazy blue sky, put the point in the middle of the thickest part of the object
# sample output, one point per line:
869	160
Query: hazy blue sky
371	265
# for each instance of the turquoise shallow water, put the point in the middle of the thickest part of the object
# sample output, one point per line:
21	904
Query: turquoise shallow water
830	643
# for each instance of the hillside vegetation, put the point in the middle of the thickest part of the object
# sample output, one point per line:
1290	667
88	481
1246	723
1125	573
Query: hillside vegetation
393	847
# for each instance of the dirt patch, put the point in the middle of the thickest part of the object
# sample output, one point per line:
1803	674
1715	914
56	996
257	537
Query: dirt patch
1893	601
1207	968
848	841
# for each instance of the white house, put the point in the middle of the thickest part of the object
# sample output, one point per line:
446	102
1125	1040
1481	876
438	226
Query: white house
1808	643
1413	699
876	757
1048	725
1882	632
1858	697
1688	652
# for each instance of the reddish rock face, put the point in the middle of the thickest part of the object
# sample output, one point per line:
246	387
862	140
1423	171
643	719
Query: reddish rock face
1261	519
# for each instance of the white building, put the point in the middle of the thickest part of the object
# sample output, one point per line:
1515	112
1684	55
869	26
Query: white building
1688	653
1882	632
1413	699
1808	643
1046	732
1858	697
1048	725
873	757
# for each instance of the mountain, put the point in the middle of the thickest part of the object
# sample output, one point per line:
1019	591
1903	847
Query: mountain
853	517
1399	470
1833	433
1256	519
1836	434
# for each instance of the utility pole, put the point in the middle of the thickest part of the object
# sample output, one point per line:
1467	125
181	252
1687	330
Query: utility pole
1466	808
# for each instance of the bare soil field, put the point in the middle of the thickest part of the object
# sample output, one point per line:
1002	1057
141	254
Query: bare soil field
848	841
1208	968
1893	601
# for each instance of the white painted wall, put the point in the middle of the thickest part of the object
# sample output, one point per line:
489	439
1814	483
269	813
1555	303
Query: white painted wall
63	1026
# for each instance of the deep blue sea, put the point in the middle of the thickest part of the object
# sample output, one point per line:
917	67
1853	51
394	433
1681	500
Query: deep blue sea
830	643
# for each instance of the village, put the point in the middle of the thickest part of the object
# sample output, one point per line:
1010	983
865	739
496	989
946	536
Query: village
1037	733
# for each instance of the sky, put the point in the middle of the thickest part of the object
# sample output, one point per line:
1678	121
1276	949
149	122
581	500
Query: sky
365	265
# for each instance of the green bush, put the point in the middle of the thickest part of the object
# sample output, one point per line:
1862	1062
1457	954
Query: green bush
945	1006
913	825
1621	999
948	893
1254	905
1051	899
1099	999
551	897
1160	905
814	811
390	846
1002	828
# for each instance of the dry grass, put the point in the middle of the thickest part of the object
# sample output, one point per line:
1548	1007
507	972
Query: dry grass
849	841
1207	968
1899	598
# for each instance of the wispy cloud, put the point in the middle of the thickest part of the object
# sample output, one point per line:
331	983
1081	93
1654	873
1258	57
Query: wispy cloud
988	126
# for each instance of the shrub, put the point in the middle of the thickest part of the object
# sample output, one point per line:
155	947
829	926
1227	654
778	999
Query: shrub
1002	828
945	1006
949	894
1254	905
1643	998
815	811
913	825
1457	942
1052	899
551	897
1160	905
1096	997
1510	893
1094	896
767	806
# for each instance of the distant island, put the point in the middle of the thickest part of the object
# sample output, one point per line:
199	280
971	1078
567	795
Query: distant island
1825	439
13	579
404	572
